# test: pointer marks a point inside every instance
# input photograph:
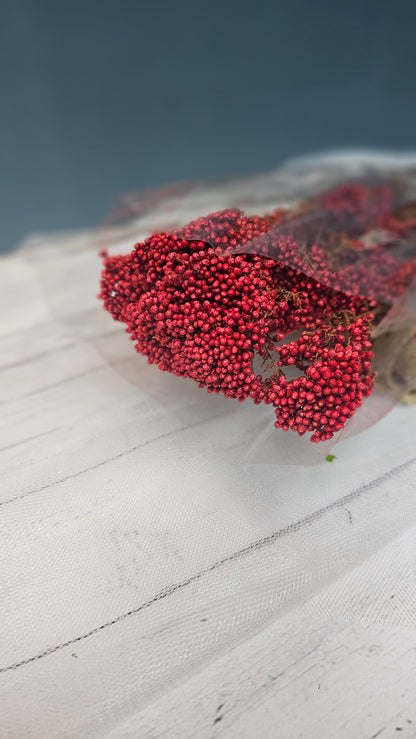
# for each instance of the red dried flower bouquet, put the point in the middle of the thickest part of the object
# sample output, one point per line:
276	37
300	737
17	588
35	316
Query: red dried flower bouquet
283	308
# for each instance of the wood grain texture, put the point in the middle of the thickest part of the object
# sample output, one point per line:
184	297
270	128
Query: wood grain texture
153	585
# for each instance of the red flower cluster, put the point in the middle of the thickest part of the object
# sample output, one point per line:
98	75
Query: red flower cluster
198	309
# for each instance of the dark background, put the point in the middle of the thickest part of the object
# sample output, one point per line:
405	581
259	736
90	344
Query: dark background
99	97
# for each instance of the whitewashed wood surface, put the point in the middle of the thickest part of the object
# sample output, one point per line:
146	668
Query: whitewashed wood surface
152	584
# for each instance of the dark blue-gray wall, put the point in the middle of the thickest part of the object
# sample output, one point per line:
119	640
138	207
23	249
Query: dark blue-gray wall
100	97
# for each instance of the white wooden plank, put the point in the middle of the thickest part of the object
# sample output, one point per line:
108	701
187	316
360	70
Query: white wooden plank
132	537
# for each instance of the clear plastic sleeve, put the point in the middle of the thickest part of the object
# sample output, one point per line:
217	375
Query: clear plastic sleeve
348	224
